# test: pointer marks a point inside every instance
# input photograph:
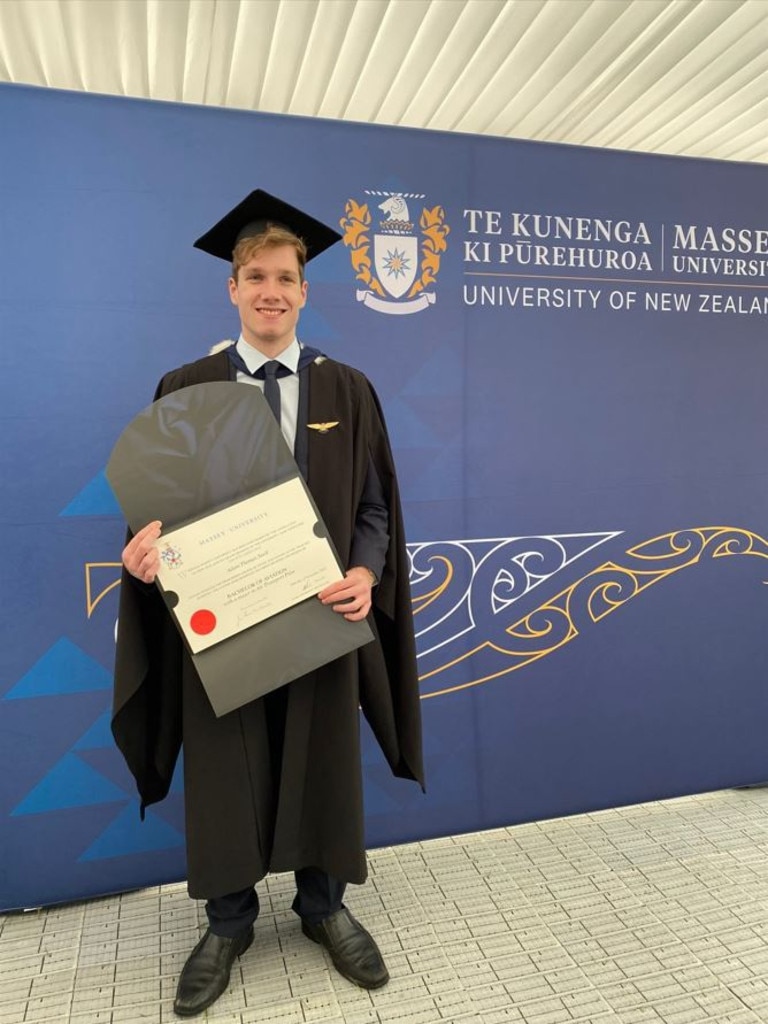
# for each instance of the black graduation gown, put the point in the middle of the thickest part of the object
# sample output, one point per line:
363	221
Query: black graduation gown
246	816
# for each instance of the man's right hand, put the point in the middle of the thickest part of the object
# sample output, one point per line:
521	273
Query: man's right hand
140	556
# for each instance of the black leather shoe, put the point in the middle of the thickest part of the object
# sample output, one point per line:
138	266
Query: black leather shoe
206	973
354	953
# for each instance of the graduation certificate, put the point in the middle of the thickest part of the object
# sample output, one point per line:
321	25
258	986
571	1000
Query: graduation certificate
245	563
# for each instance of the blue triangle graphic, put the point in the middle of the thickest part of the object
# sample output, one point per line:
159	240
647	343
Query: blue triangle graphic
442	374
443	414
128	834
405	424
98	736
64	668
70	783
95	499
177	782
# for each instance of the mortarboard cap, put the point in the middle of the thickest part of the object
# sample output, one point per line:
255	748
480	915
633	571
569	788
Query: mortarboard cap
250	217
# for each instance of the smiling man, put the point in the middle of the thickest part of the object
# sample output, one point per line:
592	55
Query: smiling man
277	784
269	291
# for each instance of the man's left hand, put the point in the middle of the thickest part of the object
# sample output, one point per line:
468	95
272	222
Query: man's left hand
350	597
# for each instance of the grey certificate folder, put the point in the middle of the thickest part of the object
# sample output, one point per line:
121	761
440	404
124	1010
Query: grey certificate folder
194	452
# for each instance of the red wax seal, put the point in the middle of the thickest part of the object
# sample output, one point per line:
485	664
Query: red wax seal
202	622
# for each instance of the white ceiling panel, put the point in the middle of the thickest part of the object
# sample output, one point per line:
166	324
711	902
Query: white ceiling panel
687	77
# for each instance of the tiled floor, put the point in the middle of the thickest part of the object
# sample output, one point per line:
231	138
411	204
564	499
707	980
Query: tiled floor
644	914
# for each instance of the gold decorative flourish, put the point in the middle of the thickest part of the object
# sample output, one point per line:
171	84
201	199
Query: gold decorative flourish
602	591
425	600
90	600
355	227
434	229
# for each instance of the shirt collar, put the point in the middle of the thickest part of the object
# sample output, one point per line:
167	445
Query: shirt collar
254	359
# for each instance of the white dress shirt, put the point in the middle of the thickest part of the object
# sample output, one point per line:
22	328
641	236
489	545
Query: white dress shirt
289	385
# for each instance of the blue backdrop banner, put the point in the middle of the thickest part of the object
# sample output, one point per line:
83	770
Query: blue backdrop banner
570	345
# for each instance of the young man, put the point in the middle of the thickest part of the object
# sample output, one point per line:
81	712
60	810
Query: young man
276	785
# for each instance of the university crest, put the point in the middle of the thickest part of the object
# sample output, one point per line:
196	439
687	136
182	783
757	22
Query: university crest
404	262
171	557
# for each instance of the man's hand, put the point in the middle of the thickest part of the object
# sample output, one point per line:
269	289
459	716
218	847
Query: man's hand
350	597
140	556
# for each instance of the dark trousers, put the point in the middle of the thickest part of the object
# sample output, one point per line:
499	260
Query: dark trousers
318	895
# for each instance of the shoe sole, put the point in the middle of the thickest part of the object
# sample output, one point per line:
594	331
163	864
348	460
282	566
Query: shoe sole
368	985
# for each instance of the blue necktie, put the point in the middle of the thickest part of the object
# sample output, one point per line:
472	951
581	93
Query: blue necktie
271	388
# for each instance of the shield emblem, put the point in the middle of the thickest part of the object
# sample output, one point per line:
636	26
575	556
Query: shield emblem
397	259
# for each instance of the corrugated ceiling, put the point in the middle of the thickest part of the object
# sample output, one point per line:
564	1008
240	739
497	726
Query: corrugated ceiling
686	77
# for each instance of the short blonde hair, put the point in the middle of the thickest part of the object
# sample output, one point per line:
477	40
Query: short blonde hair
273	237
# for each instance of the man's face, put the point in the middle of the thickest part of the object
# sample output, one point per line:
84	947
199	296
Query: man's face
269	294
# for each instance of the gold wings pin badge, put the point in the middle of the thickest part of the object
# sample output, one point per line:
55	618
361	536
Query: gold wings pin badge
323	428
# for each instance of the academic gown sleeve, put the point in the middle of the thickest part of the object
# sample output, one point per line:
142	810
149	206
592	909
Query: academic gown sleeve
146	708
338	464
389	694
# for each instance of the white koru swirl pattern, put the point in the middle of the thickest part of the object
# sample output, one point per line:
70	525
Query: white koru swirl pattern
458	584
